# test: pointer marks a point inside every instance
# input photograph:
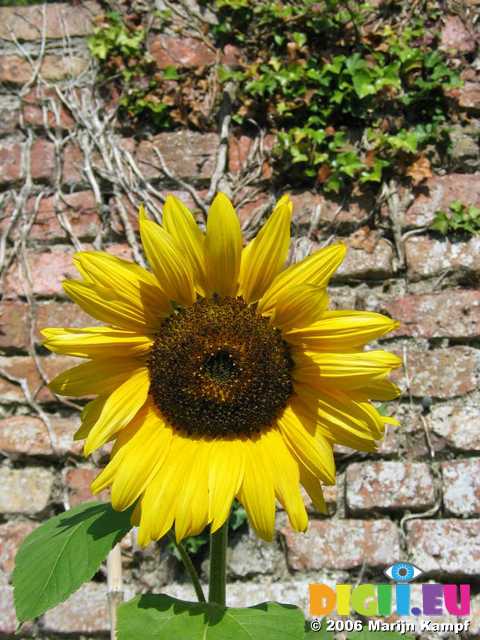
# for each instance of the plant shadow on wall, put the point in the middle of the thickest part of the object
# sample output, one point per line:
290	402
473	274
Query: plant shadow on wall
352	93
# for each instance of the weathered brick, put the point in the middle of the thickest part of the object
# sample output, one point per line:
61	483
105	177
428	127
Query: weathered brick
22	367
474	617
28	435
8	620
461	487
42	106
42	160
441	373
330	211
467	96
11	162
438	193
239	148
12	534
445	546
77	481
331	494
25	490
187	154
15	330
456	37
86	611
458	424
368	257
56	20
180	52
252	556
375	542
79	210
428	258
389	486
73	161
454	313
9	114
17	70
48	269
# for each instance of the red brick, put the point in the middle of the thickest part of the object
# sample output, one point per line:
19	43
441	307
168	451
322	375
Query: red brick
438	193
368	257
25	490
77	482
187	154
180	52
450	314
86	611
11	162
60	19
339	212
389	486
14	329
431	258
79	209
12	534
441	373
456	37
39	100
22	367
458	424
48	269
72	170
17	70
343	544
28	435
461	487
42	160
239	148
445	546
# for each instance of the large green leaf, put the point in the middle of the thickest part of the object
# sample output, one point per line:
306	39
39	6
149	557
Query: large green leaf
160	617
62	554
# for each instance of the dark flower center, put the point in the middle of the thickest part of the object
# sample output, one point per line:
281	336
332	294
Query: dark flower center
218	369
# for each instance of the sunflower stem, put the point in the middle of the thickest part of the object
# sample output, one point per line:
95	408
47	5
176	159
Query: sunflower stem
188	564
218	565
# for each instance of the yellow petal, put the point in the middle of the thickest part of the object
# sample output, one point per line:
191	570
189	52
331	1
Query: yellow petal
223	247
266	254
137	460
191	513
316	269
382	389
92	378
299	306
161	495
286	478
104	305
313	487
225	475
337	418
342	330
314	452
91	342
343	370
123	281
180	224
173	272
120	408
89	415
257	491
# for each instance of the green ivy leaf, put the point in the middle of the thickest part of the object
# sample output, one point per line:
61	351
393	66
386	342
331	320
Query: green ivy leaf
160	617
62	554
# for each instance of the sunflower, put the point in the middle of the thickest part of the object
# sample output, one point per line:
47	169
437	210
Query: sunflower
220	373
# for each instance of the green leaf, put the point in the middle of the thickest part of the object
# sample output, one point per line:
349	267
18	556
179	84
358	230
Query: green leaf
62	554
320	633
171	73
160	617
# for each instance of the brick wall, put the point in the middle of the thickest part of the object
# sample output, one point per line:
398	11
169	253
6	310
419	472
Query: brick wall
417	499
